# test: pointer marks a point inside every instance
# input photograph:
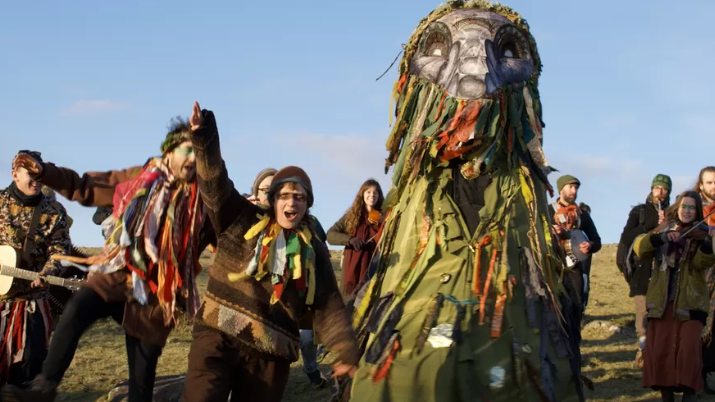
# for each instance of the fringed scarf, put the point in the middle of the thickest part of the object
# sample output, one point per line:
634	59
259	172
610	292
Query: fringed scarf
568	217
14	317
155	232
432	124
284	255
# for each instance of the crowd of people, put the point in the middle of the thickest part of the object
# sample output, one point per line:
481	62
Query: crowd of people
272	292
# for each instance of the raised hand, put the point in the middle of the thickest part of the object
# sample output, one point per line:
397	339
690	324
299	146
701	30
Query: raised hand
197	119
32	165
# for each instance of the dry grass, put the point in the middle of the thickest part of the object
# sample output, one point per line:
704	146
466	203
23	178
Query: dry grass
100	362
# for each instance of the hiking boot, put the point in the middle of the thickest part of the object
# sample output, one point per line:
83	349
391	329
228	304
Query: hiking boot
318	380
638	362
40	390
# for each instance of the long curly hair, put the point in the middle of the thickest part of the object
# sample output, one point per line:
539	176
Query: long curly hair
358	210
671	214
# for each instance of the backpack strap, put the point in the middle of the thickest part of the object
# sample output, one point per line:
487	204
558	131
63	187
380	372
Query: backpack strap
641	217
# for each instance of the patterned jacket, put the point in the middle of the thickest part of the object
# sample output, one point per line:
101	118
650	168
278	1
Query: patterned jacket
51	236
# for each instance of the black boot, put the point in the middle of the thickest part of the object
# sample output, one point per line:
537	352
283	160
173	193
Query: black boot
667	395
40	390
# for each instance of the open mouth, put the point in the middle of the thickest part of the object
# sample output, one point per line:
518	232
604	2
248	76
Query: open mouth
290	215
188	170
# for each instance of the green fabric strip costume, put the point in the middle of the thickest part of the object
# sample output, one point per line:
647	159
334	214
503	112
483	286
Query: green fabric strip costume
455	313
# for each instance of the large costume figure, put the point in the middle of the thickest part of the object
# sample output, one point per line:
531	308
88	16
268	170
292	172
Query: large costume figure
467	304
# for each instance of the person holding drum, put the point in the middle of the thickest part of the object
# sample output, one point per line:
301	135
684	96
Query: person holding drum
578	237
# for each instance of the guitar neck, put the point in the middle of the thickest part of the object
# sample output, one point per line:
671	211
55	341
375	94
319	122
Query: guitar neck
29	275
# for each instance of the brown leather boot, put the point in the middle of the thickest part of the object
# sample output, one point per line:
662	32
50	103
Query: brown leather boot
40	390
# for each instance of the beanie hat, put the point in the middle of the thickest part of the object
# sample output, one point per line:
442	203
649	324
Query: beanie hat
662	180
292	174
566	179
268	172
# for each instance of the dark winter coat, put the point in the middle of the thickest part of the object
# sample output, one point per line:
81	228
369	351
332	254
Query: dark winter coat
634	228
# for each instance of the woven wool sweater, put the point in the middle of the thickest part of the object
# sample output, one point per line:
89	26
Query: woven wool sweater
242	309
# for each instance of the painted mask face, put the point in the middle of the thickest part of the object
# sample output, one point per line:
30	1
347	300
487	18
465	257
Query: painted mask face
291	203
471	53
182	161
687	210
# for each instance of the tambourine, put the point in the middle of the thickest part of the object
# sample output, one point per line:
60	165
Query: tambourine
572	248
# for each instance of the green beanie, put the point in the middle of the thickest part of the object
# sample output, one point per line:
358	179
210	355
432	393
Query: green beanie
662	180
566	179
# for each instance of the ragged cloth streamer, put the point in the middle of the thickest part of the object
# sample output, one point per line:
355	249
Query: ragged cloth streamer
284	255
154	234
467	105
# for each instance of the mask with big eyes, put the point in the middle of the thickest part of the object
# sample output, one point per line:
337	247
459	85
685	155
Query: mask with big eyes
471	53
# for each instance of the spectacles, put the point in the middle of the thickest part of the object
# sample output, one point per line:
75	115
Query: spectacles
264	190
687	207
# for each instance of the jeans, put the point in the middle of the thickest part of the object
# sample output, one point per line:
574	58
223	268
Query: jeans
83	310
309	351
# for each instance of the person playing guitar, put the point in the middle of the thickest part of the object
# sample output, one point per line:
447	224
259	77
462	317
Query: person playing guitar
36	226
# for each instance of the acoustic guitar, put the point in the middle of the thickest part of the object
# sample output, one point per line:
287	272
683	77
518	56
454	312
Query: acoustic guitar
9	272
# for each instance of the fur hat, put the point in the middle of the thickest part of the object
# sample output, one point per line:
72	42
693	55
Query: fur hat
268	172
292	174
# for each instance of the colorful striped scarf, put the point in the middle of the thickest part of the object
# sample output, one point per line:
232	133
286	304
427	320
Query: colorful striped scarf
155	232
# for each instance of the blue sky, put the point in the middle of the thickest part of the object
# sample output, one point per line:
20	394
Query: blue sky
92	85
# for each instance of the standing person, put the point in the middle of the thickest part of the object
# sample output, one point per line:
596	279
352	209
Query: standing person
642	219
270	268
36	225
677	300
706	188
150	260
308	349
358	233
568	219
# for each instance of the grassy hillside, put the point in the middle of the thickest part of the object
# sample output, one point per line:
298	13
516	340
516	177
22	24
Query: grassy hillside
608	347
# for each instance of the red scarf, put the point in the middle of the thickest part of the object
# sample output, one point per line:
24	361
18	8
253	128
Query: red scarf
572	214
708	209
